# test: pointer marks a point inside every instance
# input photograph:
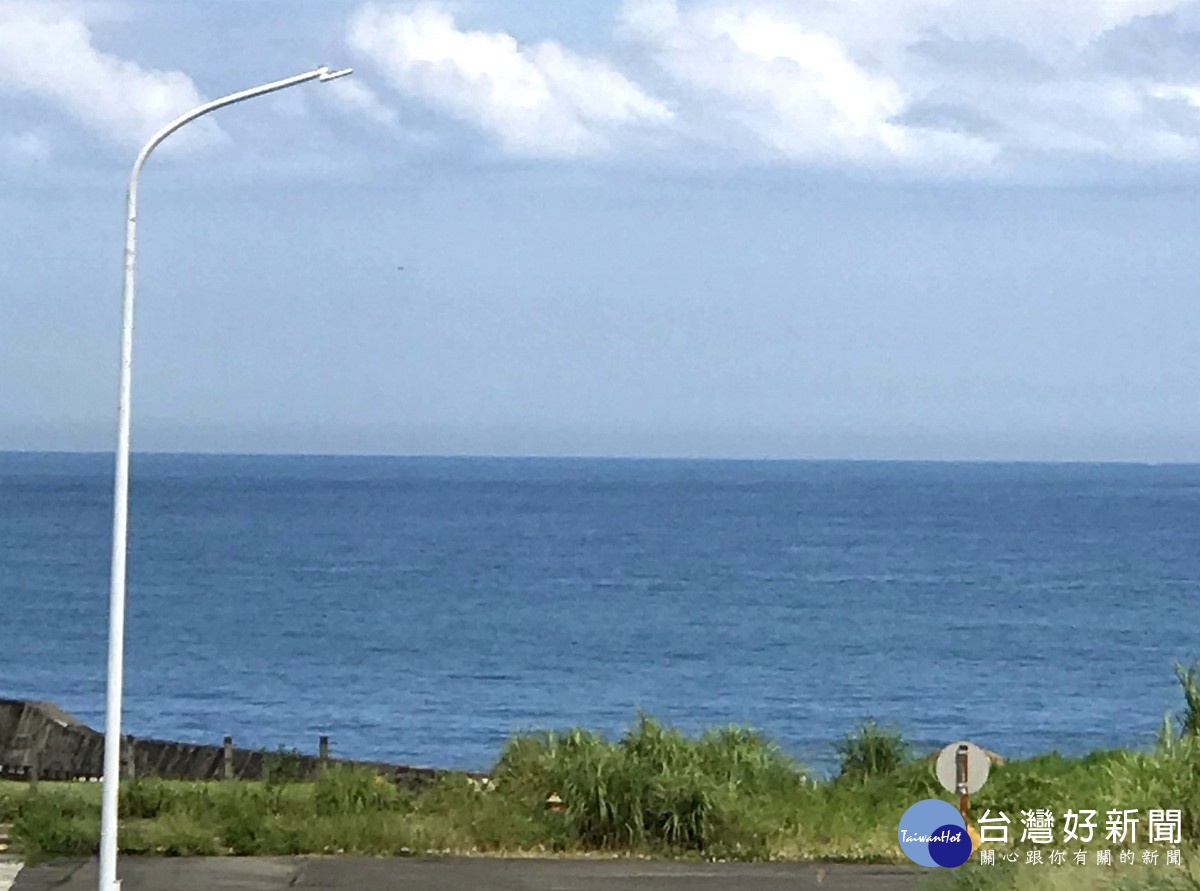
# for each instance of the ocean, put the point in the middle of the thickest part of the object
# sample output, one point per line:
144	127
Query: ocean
423	610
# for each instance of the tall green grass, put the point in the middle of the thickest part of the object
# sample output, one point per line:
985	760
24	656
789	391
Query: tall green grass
871	751
729	793
656	789
1189	681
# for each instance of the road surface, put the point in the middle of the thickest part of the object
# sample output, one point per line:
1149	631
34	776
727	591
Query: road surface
466	874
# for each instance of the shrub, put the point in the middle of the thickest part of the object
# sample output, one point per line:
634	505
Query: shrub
145	799
284	766
44	828
1189	680
1161	780
870	751
614	798
342	790
655	788
748	762
173	835
12	795
1047	781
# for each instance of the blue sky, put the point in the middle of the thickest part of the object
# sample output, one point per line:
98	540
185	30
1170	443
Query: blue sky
739	228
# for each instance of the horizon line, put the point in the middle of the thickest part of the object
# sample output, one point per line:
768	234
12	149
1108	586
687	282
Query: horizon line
711	459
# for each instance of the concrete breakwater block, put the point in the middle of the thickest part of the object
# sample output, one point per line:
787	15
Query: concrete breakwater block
40	741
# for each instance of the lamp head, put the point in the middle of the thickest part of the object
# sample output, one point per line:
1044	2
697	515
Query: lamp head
326	74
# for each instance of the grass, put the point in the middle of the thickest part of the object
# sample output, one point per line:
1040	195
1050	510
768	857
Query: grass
871	751
728	794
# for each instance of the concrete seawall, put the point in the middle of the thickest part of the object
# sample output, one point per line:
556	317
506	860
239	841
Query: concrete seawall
40	738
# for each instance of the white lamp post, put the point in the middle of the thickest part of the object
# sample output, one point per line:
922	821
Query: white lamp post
116	610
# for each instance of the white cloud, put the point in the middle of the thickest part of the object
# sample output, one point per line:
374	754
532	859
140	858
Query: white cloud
1049	27
796	90
540	101
961	86
1189	93
968	84
356	96
47	51
883	28
1090	118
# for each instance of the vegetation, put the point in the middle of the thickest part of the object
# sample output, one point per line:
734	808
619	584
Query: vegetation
871	751
726	794
1189	680
283	766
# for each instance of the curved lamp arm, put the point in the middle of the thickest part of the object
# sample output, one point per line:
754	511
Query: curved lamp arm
321	74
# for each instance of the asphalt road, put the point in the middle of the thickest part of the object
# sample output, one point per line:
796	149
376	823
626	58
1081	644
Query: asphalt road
463	874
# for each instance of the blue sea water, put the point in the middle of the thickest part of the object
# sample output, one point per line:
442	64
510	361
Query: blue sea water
422	610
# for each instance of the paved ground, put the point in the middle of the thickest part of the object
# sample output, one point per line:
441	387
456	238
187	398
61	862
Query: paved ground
8	872
454	874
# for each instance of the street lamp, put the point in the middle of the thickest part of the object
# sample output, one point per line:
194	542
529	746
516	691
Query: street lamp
116	609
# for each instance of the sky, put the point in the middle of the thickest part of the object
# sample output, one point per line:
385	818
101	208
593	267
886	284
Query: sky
863	229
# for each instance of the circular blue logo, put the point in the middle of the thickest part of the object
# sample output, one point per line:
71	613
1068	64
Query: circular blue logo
932	833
